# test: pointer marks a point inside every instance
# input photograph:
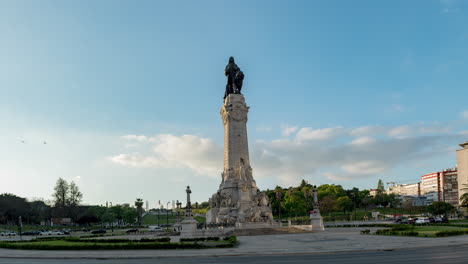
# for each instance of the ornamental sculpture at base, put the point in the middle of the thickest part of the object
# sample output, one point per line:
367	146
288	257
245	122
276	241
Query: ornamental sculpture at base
238	200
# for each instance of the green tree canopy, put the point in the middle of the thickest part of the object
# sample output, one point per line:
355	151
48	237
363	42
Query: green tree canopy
344	203
440	208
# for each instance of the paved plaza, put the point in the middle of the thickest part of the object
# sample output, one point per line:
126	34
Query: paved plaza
333	240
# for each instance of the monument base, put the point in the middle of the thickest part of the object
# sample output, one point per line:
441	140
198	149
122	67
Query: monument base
316	221
189	227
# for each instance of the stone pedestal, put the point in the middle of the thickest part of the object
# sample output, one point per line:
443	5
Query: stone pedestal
188	227
316	221
238	199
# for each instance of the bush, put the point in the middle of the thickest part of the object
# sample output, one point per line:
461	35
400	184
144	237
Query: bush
410	233
232	242
365	232
200	239
451	233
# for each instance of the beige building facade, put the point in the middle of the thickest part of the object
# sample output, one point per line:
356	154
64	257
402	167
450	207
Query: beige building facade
462	164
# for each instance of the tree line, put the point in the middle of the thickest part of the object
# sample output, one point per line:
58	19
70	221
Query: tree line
65	203
298	201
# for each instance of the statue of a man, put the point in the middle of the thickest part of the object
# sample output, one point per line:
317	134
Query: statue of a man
234	76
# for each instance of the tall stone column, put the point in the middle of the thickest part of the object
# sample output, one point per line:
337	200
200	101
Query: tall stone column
237	168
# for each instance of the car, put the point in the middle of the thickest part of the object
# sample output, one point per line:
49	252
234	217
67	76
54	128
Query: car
99	231
422	221
133	230
8	233
155	229
56	233
30	233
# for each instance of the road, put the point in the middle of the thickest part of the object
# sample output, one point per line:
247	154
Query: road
440	255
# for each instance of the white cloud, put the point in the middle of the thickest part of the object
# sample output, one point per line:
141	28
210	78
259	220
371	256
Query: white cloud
139	138
364	167
335	153
201	155
307	133
286	131
363	141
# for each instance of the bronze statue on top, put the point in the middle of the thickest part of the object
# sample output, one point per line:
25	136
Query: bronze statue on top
235	78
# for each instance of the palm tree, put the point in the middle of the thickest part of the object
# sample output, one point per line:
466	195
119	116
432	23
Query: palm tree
279	195
139	206
464	200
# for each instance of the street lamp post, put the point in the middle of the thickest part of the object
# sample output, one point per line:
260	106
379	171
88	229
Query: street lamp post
179	206
167	214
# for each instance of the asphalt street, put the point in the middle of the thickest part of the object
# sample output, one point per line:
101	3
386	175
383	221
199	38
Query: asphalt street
441	255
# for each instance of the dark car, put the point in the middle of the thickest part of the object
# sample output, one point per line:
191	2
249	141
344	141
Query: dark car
100	231
31	233
133	230
432	220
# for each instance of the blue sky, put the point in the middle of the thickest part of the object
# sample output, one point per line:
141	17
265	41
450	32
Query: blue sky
127	94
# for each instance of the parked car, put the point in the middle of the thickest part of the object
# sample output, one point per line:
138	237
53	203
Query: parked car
30	233
99	231
133	230
155	229
422	221
8	233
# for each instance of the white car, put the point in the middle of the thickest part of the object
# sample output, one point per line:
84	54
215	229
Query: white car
422	221
155	229
10	233
49	233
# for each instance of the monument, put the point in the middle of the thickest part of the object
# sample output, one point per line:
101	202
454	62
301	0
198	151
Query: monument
238	200
188	225
316	220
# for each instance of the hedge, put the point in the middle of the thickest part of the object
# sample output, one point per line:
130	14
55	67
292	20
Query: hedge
200	239
44	246
101	245
451	233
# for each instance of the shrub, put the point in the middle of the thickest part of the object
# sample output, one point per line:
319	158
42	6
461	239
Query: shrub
365	232
451	233
410	233
200	239
232	242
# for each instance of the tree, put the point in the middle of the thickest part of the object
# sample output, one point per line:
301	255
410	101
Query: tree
139	206
464	200
11	207
61	193
330	189
277	198
344	203
327	204
74	196
294	202
380	186
440	208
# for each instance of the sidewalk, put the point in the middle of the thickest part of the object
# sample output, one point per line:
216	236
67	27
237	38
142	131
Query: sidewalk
332	240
